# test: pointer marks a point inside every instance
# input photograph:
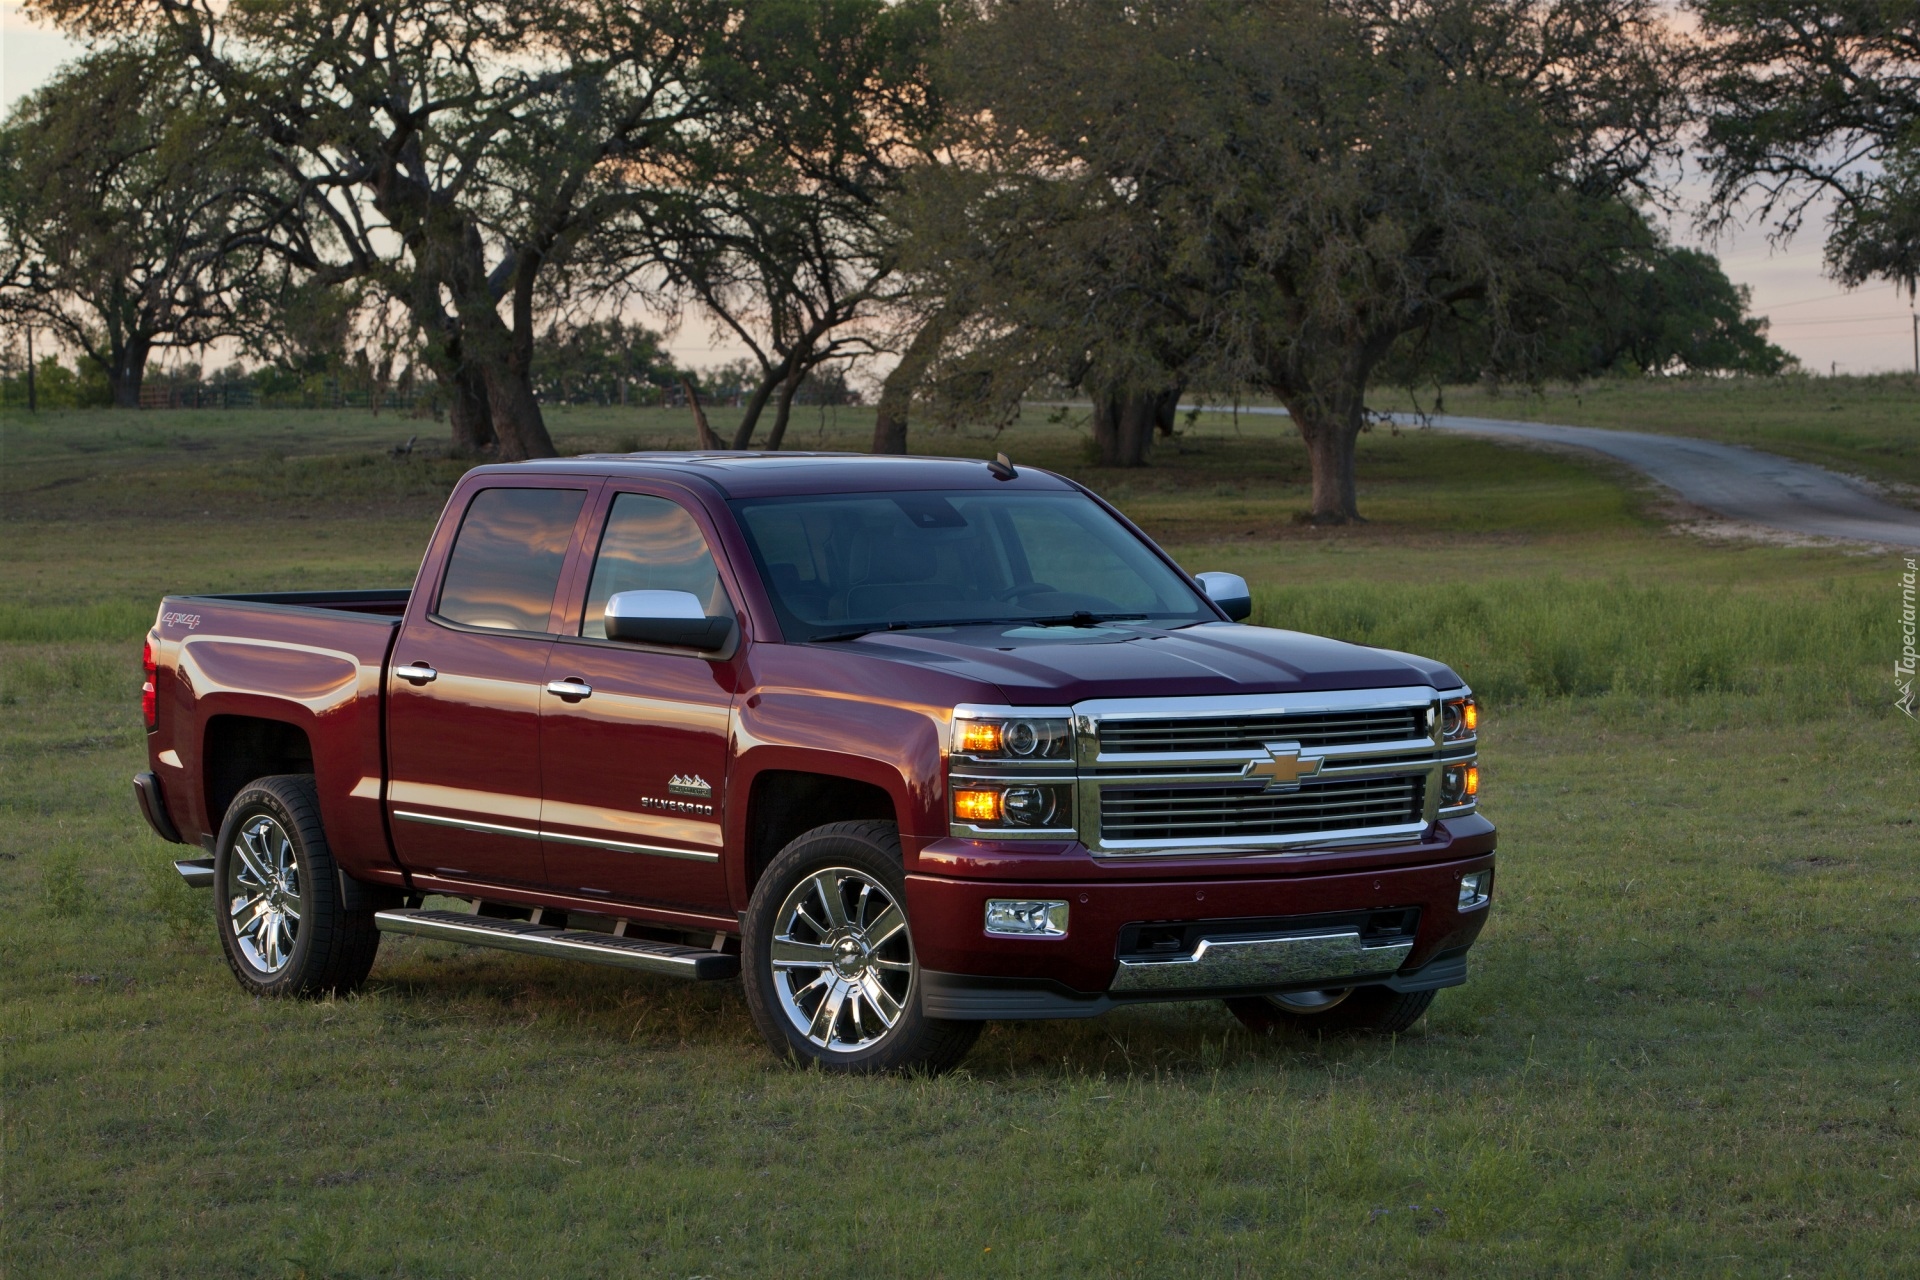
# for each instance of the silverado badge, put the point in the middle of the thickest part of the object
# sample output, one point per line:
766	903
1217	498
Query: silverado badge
682	784
1284	767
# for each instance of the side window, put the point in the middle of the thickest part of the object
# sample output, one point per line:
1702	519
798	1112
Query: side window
506	561
651	544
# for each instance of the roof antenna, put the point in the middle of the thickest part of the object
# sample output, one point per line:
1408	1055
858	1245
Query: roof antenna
1001	468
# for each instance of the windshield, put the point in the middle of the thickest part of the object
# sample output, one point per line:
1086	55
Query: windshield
843	565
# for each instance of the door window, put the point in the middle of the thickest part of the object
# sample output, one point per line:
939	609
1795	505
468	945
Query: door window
651	544
506	561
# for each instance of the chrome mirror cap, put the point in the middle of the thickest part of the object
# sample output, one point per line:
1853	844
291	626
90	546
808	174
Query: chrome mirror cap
673	618
1229	591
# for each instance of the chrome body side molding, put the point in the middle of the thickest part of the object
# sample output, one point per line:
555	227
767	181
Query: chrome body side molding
529	833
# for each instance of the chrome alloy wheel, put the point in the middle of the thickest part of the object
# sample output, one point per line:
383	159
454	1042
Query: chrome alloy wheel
263	893
842	959
1311	1001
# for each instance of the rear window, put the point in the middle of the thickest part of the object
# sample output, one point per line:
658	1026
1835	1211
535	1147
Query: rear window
505	568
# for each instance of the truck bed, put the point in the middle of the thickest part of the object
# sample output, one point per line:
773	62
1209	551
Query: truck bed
296	677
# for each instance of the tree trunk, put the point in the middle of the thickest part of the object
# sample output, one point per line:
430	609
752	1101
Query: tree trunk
896	393
125	373
1166	408
1123	426
708	440
467	412
515	413
1330	430
743	434
785	409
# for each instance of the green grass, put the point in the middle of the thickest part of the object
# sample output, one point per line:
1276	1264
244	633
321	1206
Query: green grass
1688	1046
1866	426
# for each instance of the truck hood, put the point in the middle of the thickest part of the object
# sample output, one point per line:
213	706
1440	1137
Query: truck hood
1059	666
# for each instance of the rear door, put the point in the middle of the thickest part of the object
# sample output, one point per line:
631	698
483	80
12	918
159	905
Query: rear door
464	697
634	761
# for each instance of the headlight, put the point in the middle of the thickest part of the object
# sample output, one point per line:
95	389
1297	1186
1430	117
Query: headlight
1010	772
1036	738
1017	806
1460	784
1459	719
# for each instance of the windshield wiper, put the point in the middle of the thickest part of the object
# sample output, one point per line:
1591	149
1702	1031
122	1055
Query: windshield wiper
1080	619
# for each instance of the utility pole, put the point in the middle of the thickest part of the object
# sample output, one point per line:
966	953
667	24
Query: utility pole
1916	344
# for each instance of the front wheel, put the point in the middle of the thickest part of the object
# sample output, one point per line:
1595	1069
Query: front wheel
828	959
1364	1010
277	896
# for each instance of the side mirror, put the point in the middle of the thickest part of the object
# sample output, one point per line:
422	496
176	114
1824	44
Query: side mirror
1229	591
665	617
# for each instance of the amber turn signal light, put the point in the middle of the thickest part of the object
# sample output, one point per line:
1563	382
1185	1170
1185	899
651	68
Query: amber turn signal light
1473	772
979	737
1472	711
977	806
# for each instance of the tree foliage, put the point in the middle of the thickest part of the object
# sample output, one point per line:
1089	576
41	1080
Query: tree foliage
1812	100
778	232
1278	192
123	192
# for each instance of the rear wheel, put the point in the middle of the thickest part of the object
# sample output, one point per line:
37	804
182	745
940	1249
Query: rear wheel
277	896
1364	1010
828	959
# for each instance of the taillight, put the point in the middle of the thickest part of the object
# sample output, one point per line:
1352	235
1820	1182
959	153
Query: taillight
149	699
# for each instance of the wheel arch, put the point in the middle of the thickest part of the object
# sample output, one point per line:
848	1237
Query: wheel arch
237	749
783	804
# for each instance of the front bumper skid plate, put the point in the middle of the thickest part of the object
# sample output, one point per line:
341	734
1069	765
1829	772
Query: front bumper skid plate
1324	958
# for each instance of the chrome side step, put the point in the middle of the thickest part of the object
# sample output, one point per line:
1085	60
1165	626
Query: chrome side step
566	944
197	872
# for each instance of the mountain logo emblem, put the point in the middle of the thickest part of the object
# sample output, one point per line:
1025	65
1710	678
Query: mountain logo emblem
689	784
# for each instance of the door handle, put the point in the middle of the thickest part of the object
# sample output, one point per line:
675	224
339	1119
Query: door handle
573	688
418	672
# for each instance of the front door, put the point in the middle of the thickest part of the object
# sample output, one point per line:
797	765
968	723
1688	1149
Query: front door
634	759
464	696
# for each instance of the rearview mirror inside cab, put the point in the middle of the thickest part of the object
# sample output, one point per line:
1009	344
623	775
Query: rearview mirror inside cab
1228	590
666	618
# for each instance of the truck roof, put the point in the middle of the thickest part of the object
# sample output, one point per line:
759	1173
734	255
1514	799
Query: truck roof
764	474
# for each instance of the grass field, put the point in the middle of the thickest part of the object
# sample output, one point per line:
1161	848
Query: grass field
1689	1046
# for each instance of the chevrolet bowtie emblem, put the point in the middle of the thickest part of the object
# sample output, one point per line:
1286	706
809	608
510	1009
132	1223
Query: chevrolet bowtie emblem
1284	767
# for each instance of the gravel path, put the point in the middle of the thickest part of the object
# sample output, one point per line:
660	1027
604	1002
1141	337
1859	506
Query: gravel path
1734	481
1728	479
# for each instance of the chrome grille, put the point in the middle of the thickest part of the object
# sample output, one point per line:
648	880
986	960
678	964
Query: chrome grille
1238	812
1250	733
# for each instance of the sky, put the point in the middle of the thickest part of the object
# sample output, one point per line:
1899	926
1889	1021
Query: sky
1868	330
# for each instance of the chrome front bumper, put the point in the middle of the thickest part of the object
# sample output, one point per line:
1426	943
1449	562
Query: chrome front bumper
1319	958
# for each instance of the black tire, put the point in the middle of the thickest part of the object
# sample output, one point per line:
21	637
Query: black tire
327	950
1379	1011
862	860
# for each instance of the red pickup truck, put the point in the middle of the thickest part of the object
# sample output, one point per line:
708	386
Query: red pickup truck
905	744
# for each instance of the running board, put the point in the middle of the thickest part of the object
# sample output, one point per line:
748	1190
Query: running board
197	872
566	944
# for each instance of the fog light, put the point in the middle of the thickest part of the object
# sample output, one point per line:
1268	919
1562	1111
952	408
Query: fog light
976	806
1475	888
1026	918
